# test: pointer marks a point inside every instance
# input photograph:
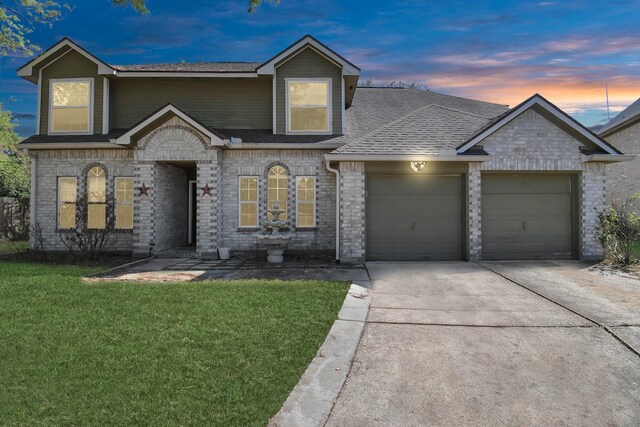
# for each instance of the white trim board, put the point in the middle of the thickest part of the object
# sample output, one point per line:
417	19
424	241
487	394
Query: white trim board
547	106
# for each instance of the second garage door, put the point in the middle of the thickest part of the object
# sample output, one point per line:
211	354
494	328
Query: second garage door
414	217
527	216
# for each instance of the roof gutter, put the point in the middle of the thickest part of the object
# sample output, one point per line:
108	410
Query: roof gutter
69	145
607	158
337	173
338	157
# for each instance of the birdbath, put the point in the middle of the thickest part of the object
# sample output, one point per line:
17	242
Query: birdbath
275	239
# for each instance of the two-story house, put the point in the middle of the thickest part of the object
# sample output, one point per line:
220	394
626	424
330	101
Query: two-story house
194	153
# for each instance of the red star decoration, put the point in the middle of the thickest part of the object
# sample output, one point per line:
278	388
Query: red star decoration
144	190
206	190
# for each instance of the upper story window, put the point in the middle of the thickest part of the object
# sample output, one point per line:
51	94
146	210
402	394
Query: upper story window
70	106
308	106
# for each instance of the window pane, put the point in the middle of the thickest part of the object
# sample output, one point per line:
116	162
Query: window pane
67	189
67	215
309	119
277	190
124	190
248	215
71	94
97	216
306	189
308	93
306	215
248	189
70	119
96	185
124	216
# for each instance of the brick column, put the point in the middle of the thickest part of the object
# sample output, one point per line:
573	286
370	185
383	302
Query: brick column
352	212
143	207
207	209
594	201
474	216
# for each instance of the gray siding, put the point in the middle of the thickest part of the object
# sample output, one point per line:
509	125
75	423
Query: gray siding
623	179
308	63
220	103
71	65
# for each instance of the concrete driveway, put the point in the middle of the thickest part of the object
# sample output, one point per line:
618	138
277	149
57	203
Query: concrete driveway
458	344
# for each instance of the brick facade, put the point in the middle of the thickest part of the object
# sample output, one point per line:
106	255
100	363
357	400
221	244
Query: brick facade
171	155
623	179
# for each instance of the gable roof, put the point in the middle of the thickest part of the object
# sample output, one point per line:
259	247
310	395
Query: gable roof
125	138
268	67
626	117
539	101
65	43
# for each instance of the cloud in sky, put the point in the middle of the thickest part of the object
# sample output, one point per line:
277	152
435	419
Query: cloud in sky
498	50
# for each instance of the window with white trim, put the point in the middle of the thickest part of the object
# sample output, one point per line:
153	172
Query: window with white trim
67	191
70	106
248	202
96	198
306	201
278	190
124	202
308	106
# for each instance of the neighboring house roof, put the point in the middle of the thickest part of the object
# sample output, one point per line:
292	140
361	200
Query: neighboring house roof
626	117
193	67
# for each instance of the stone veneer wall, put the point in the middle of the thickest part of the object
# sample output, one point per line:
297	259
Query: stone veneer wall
352	212
474	200
52	164
236	163
593	200
623	179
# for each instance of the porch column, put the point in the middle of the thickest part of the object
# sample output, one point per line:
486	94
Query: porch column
352	212
594	200
207	208
144	193
474	216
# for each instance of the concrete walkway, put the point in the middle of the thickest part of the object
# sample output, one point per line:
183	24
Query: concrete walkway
458	344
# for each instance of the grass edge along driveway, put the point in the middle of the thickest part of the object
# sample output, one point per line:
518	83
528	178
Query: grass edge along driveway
214	353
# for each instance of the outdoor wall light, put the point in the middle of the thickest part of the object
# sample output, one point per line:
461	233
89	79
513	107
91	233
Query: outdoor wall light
418	166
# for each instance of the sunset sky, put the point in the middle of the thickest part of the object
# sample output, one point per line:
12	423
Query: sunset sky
498	51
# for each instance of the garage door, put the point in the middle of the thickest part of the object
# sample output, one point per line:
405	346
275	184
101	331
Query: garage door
414	217
526	216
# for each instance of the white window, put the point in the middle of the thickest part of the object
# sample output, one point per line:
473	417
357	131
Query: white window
248	209
124	203
308	106
70	106
96	198
278	190
305	201
67	190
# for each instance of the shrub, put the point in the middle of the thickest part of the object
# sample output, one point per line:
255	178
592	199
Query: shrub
618	231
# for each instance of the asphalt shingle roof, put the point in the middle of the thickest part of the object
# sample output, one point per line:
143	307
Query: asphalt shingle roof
629	113
194	67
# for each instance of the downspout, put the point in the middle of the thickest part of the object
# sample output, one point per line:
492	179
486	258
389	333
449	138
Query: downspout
32	199
337	173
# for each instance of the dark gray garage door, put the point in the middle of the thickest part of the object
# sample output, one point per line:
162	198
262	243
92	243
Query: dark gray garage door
414	217
526	216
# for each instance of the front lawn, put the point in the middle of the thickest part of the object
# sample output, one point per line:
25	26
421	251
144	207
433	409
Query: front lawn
203	353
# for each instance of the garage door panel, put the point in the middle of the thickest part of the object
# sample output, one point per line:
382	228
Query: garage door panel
414	217
534	223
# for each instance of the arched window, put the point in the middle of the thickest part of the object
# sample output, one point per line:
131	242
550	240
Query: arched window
96	198
278	189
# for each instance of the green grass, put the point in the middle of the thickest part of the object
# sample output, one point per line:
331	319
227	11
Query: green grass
7	247
207	353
